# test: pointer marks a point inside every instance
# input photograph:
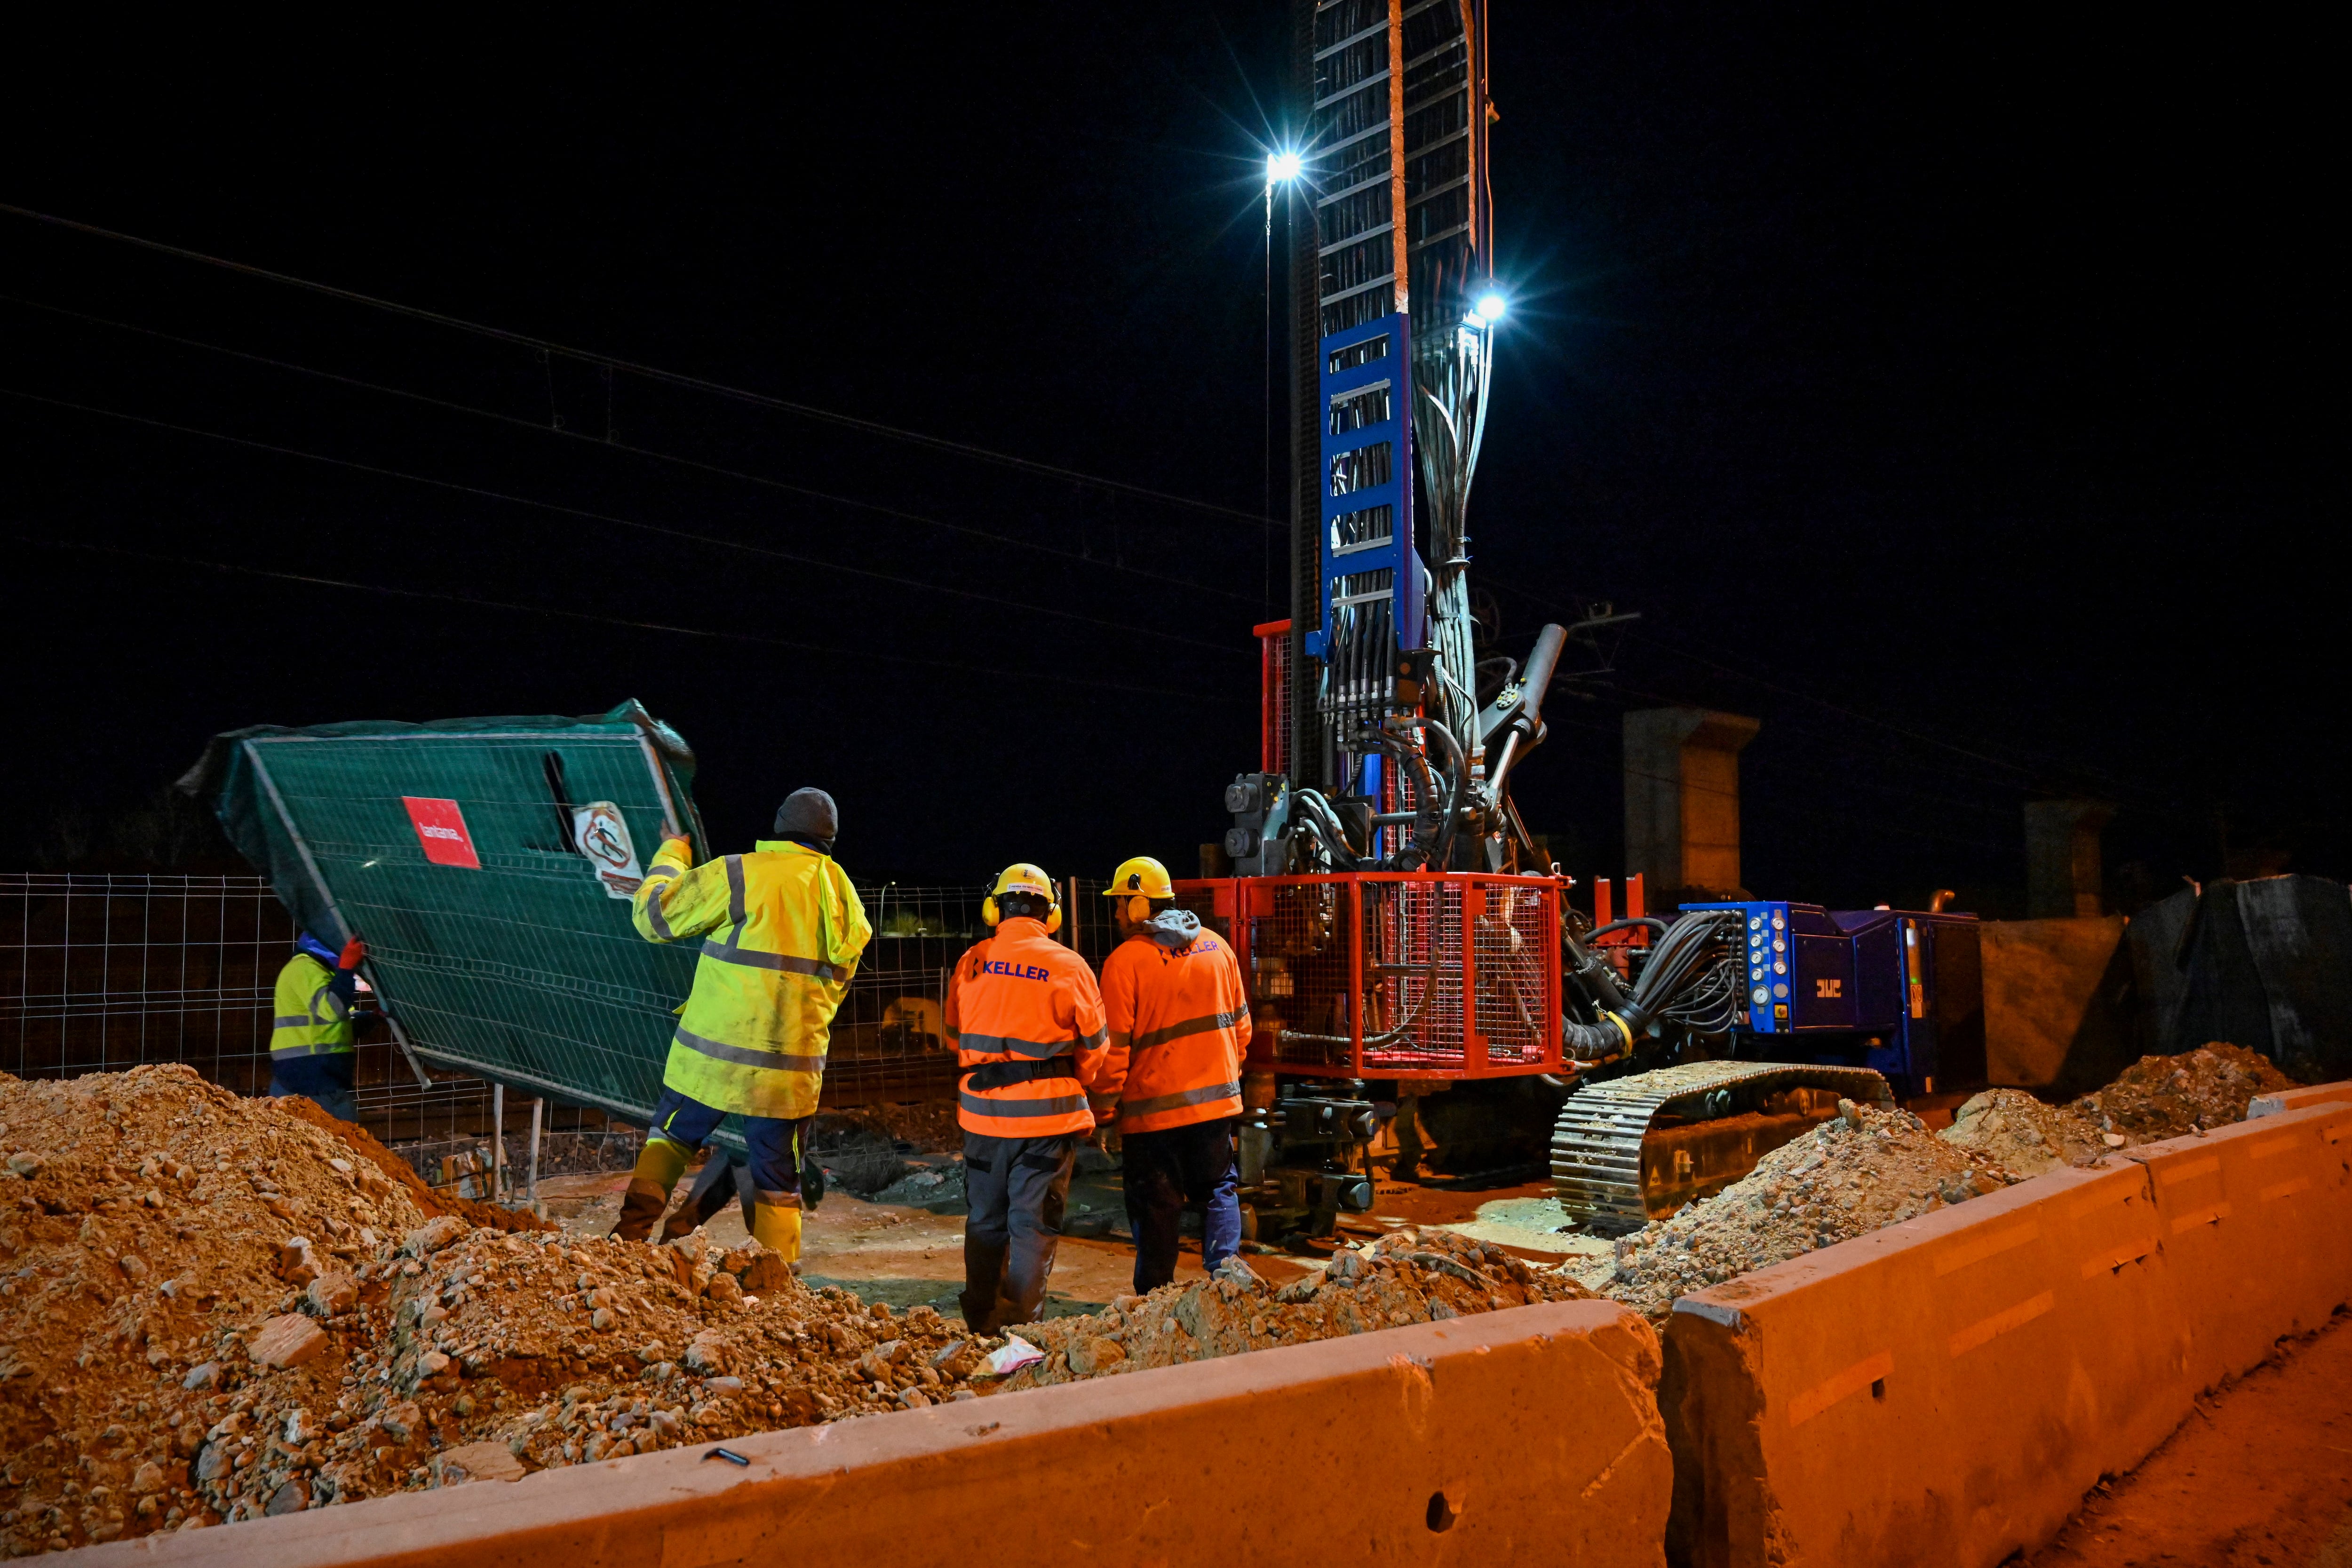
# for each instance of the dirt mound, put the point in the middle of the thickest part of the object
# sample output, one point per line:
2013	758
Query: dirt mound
219	1308
427	1199
2170	1097
148	1226
526	1351
1864	1169
1409	1276
2010	1128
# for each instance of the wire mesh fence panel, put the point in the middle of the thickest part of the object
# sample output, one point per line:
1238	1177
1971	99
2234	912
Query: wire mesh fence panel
99	972
1375	974
890	1039
1515	943
1413	975
103	972
461	855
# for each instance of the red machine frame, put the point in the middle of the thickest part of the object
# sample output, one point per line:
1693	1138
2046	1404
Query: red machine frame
1441	1007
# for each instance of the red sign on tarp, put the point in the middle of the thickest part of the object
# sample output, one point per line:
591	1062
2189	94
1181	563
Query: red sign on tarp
441	829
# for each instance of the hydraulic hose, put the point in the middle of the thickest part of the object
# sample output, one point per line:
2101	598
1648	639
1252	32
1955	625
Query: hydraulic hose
1684	980
1441	853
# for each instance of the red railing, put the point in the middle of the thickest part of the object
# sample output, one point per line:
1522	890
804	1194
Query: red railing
1395	974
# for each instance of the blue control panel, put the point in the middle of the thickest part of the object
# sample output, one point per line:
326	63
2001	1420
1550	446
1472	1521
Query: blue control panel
1899	990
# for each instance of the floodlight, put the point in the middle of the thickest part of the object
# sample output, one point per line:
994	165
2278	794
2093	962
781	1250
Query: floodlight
1489	310
1283	166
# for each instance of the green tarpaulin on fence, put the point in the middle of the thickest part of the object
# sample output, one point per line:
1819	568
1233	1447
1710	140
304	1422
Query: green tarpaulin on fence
483	860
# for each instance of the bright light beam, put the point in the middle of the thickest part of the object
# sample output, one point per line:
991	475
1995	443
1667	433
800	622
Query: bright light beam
1282	167
1489	310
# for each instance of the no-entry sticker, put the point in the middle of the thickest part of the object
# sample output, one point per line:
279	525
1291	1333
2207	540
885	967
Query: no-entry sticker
441	829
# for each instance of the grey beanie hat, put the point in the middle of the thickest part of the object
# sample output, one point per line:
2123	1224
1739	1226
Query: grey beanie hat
809	813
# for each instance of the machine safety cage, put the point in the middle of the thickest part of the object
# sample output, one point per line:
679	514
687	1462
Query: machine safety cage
1393	974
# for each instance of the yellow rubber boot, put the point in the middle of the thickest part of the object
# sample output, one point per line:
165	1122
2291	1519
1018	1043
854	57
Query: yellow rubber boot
778	1227
659	1165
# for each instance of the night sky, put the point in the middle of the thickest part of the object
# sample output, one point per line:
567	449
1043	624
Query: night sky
1943	389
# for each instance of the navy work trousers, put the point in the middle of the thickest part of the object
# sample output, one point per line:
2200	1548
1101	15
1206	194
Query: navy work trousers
1017	1189
1164	1172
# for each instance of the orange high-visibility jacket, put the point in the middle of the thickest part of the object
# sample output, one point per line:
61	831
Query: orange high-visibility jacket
1179	1025
1028	1022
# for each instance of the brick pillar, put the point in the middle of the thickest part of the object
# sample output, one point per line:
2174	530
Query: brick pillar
2061	857
1682	799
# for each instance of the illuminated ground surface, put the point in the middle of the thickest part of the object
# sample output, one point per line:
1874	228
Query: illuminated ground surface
2261	1475
905	1254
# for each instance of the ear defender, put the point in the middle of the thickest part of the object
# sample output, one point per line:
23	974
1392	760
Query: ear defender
988	910
1054	919
1138	910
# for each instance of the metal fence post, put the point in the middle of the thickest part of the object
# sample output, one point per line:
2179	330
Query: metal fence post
537	1115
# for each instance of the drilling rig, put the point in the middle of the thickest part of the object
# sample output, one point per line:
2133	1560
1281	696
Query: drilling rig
1400	929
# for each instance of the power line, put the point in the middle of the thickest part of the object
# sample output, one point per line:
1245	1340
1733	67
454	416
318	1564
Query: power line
958	666
451	485
2028	769
645	371
608	441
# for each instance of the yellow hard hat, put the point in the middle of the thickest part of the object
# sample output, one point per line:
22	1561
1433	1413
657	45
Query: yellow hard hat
1023	877
1139	880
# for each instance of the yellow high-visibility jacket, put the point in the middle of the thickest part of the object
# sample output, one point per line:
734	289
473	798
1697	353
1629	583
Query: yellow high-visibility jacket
784	930
309	1018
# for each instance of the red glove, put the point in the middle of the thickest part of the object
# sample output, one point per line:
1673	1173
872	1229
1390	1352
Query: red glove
354	951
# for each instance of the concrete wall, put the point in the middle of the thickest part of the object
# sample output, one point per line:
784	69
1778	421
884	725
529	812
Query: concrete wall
1682	797
2063	871
1945	1390
1528	1436
2055	1001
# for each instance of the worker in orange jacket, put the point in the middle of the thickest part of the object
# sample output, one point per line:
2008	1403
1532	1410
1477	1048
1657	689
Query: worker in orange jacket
1027	1020
1180	1025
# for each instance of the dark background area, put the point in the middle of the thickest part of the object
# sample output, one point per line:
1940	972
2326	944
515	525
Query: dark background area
1943	389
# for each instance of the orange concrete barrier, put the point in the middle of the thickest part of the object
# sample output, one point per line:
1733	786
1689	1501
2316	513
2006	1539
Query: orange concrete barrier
1527	1435
2299	1099
1943	1391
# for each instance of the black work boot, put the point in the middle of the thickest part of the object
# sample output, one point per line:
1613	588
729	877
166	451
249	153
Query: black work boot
983	1274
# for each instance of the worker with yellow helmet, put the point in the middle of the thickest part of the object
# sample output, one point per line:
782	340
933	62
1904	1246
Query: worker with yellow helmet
1180	1025
1027	1020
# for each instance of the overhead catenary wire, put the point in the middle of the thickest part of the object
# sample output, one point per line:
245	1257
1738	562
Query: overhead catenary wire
2021	773
646	371
609	443
860	655
994	600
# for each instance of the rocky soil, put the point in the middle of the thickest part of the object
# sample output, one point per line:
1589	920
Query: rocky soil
1864	1169
214	1308
2170	1097
1409	1276
1870	1168
2010	1128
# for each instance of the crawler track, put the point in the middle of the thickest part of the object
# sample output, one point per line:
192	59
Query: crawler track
1597	1162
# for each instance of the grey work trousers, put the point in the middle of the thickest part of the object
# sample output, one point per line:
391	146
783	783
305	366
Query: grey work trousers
1017	1188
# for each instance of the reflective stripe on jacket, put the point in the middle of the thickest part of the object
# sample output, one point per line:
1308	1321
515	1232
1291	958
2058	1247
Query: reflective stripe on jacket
310	1017
1179	1025
783	930
1026	1014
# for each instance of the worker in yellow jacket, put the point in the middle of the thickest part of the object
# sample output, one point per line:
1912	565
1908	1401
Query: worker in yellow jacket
312	1043
783	930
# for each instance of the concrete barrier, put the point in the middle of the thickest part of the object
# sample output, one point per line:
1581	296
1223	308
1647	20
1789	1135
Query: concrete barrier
1944	1392
2299	1099
1527	1435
